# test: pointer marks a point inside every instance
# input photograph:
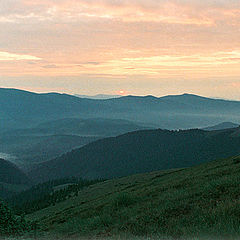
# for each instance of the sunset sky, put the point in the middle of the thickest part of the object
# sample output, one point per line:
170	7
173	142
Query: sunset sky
138	47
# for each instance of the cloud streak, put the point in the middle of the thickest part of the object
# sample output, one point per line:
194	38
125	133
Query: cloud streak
6	56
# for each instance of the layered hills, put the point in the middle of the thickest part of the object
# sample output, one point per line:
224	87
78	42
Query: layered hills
53	138
139	152
20	109
92	127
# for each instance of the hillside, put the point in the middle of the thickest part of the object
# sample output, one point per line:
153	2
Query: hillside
12	179
9	173
221	126
48	140
179	203
26	150
21	109
139	152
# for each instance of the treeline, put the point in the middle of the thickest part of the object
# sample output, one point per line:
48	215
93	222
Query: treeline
46	194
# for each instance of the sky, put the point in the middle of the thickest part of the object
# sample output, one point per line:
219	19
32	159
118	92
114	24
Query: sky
136	47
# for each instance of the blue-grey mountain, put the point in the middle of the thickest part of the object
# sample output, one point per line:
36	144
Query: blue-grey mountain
20	109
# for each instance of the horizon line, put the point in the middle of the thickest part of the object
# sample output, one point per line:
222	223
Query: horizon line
118	96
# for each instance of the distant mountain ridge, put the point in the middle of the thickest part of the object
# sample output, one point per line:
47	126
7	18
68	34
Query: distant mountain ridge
220	126
93	127
141	151
98	96
19	109
88	127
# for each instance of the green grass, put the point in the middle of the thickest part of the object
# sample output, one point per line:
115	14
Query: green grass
196	203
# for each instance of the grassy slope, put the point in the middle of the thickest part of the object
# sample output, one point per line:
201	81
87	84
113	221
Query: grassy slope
202	200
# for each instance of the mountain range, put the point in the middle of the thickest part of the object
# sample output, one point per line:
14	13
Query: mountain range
141	151
55	147
220	126
21	109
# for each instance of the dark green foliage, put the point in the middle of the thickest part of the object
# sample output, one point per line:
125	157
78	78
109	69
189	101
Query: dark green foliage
11	224
46	194
141	151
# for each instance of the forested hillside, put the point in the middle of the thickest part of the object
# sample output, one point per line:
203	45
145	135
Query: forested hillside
141	151
10	173
46	194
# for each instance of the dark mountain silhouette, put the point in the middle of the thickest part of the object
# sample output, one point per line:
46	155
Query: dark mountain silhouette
20	109
141	151
220	126
10	173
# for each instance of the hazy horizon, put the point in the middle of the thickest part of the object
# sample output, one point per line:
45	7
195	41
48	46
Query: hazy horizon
118	94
